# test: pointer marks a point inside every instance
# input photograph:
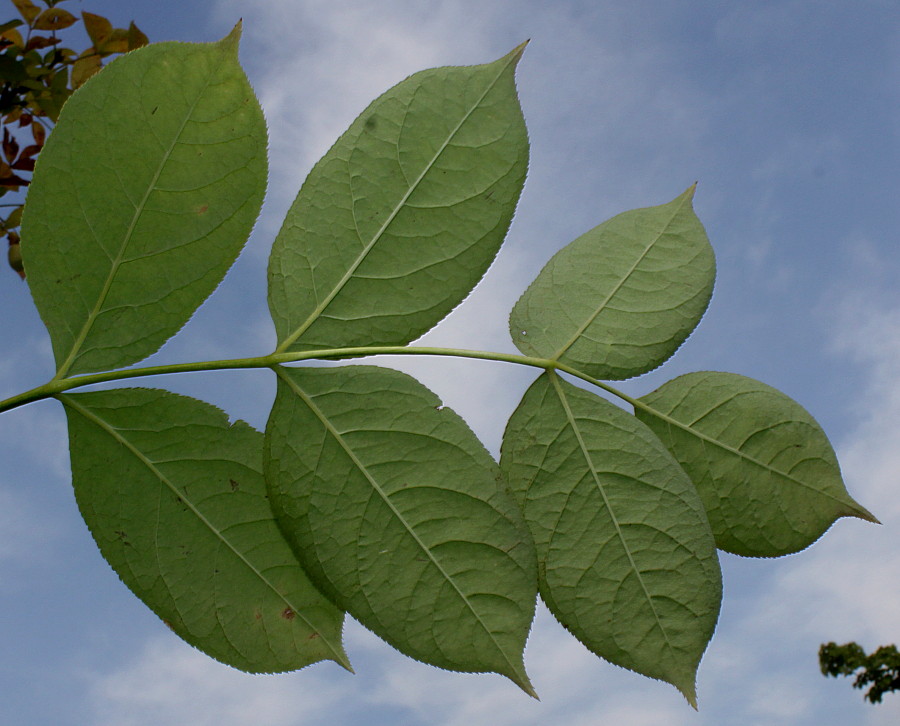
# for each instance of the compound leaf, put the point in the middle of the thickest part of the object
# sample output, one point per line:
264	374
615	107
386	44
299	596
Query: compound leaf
627	561
402	217
620	299
175	499
394	509
764	468
142	198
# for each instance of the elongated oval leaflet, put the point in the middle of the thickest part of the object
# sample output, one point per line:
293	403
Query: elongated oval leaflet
141	200
394	509
175	499
404	214
764	468
626	557
622	298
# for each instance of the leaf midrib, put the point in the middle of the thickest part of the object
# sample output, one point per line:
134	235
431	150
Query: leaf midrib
182	496
138	211
618	286
367	248
361	467
570	417
688	428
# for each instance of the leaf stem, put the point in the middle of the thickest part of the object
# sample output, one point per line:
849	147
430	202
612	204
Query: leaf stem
59	385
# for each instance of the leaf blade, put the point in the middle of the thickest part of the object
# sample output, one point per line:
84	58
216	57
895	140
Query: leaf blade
627	559
622	298
142	199
379	246
196	542
394	509
748	447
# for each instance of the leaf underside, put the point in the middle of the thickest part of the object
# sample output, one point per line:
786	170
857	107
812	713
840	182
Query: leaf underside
402	217
620	299
175	499
366	495
627	561
394	509
142	199
768	477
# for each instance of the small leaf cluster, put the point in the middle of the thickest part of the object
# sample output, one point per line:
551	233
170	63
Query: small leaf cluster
880	669
366	496
37	76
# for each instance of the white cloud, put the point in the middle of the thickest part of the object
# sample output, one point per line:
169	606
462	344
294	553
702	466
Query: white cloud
761	666
170	683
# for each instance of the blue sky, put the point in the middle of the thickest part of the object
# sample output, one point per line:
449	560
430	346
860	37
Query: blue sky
786	113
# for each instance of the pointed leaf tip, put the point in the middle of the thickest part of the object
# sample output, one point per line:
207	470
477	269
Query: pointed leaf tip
344	480
582	308
689	691
430	174
233	39
748	446
516	53
637	583
143	270
860	512
526	686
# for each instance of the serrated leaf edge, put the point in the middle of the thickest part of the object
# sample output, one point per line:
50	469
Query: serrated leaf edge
68	401
512	59
689	692
229	45
686	197
853	508
516	674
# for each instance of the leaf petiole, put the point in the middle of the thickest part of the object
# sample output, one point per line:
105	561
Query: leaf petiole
59	385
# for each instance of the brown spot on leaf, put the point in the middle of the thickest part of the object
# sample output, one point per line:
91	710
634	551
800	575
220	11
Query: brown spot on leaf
234	485
202	209
313	636
288	614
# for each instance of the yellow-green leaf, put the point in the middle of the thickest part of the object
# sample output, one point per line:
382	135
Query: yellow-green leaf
626	557
54	19
764	468
175	499
153	179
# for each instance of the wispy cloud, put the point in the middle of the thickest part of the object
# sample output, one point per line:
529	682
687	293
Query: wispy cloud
316	65
170	683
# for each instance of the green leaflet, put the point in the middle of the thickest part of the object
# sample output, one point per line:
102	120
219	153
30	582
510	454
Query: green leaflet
620	299
764	468
394	509
175	499
142	198
626	558
402	217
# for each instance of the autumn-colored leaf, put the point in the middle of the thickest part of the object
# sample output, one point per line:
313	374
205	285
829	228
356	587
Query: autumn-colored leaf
28	9
54	19
10	146
10	180
9	25
11	36
38	42
117	42
14	256
86	66
14	219
23	163
136	38
98	28
30	151
38	133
